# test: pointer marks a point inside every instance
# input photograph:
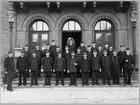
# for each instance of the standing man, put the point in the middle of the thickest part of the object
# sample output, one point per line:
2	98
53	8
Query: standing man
128	65
121	54
67	57
93	47
82	47
53	49
96	64
71	45
89	55
115	69
33	65
47	63
72	63
27	56
106	68
78	59
59	68
22	68
85	69
38	55
9	66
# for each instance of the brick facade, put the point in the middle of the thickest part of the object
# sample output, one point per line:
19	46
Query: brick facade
55	21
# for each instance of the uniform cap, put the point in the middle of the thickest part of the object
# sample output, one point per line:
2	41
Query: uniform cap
121	45
53	40
81	42
9	52
127	48
89	46
93	43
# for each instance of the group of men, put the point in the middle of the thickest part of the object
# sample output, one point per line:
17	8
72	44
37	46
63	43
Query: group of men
83	62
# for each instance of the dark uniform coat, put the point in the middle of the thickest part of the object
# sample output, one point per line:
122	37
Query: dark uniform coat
59	64
89	55
121	55
67	57
85	67
47	63
93	48
115	66
106	66
9	65
78	58
71	47
22	64
38	54
71	65
33	64
27	55
96	63
128	61
83	49
53	51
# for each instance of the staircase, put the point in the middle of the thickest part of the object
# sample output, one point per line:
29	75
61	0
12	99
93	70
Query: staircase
66	81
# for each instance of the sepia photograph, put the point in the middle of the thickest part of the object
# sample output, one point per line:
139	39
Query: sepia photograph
69	51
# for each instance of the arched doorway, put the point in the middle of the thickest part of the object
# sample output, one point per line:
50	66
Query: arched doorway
38	34
71	28
104	32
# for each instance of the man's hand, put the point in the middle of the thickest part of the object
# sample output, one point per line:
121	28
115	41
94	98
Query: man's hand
6	72
68	71
64	70
53	70
75	64
80	70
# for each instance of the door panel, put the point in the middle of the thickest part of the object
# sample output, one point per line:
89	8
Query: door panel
44	40
99	39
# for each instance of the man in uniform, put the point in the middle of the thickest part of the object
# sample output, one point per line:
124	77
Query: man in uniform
27	55
85	69
22	68
59	68
9	66
89	55
121	54
47	63
33	65
82	47
78	59
115	68
66	56
53	49
71	46
128	67
96	64
38	55
106	68
93	47
72	69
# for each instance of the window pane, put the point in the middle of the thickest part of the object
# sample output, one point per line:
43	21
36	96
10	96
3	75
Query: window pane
97	27
109	38
77	26
44	40
71	25
39	26
45	27
103	25
99	38
33	28
65	27
34	37
109	26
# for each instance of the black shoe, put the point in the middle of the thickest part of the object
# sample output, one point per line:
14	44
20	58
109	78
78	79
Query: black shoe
10	90
56	84
19	84
129	84
69	84
31	84
36	84
124	84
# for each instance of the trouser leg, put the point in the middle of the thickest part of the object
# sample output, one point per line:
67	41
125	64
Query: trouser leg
108	80
24	78
9	81
62	78
97	77
20	78
57	77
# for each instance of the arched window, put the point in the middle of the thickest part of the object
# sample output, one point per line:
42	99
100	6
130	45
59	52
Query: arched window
104	32
39	34
71	26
